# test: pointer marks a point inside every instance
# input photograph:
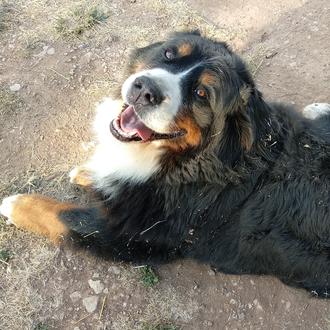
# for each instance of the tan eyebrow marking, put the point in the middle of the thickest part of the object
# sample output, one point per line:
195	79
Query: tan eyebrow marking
185	49
208	78
138	66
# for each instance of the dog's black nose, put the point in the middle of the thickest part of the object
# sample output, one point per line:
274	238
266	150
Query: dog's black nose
145	91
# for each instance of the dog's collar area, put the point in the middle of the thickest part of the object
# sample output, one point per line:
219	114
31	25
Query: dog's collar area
128	127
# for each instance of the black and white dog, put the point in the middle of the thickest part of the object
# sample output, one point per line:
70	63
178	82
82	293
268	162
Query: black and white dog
191	162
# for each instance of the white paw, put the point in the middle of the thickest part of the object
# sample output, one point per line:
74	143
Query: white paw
6	207
315	110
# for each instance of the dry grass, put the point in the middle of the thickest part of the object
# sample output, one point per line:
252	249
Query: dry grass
256	59
79	20
6	14
162	307
30	260
10	102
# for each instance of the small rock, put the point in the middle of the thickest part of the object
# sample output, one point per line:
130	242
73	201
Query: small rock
96	275
114	270
241	316
90	303
51	51
287	305
75	296
211	272
257	304
106	291
15	87
97	286
208	323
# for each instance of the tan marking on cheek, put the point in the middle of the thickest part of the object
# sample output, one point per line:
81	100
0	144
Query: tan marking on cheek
208	79
138	66
185	49
191	139
40	215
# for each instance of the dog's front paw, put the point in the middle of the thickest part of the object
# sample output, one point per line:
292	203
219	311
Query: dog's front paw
7	207
80	176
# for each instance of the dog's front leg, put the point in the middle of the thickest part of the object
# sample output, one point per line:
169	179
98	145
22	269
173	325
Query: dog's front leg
81	176
37	214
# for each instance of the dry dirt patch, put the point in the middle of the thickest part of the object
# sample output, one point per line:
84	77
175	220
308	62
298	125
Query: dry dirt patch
65	56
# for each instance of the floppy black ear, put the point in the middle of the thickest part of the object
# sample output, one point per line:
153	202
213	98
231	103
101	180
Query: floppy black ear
237	135
139	52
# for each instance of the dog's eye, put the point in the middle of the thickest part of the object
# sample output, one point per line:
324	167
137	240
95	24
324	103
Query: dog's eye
200	93
169	54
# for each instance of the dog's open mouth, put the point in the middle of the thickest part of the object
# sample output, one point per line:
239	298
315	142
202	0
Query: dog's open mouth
129	127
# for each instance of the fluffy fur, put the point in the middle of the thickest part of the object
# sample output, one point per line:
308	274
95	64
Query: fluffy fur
244	189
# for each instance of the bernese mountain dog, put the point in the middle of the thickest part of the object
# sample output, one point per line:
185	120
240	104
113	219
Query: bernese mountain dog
192	162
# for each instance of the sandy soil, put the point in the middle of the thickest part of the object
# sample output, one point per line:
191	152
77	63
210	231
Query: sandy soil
57	58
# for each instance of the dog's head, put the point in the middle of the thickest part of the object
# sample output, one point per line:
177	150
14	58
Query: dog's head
185	95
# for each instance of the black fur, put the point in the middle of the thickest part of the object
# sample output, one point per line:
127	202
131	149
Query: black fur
257	210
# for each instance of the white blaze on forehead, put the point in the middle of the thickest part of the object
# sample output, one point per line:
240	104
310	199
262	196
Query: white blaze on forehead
161	116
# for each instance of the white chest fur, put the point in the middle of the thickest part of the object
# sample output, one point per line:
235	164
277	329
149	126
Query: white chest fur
119	161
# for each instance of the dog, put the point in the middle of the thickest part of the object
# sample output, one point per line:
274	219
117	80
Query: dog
192	162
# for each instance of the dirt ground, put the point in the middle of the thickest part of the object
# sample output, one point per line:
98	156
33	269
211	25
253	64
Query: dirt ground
57	58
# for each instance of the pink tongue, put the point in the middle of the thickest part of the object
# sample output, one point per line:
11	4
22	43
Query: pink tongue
130	123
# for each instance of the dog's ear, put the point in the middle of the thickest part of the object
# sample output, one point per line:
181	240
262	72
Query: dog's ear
136	59
238	136
196	32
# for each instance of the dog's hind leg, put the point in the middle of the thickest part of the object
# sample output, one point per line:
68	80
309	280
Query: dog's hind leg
315	110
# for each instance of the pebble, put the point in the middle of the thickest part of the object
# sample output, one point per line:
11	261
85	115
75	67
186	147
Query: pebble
114	270
208	323
211	272
257	304
75	296
15	87
87	58
97	286
51	51
90	303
